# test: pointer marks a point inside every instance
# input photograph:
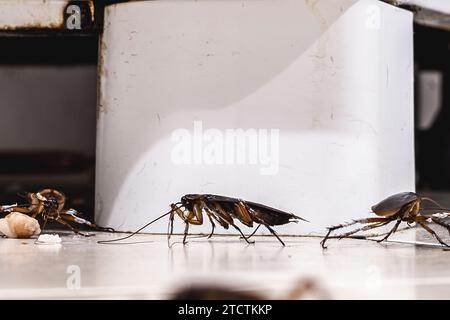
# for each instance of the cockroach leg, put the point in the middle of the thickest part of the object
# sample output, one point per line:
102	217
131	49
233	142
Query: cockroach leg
344	225
391	231
243	214
103	229
193	218
375	235
66	224
186	230
222	216
254	231
213	226
437	221
211	217
72	215
242	234
427	228
275	234
371	235
45	223
17	208
327	236
170	225
361	229
175	210
217	215
197	209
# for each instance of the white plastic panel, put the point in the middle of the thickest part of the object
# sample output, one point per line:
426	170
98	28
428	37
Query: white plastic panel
329	82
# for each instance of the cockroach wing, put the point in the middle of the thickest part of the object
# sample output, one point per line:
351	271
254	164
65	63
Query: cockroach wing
392	205
270	215
216	198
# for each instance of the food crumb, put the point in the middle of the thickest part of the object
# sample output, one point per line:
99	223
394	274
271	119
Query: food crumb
49	238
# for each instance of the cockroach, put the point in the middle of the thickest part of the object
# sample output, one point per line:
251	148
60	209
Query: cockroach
224	211
304	288
49	203
400	207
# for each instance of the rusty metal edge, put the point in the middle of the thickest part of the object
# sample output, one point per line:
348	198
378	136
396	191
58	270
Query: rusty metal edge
93	21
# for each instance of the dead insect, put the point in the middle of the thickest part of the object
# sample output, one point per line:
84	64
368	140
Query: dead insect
401	207
49	203
224	211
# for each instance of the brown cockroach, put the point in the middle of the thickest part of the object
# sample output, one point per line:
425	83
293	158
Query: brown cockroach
49	203
304	288
400	207
223	210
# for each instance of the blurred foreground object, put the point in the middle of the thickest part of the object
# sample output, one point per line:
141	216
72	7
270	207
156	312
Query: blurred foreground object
305	288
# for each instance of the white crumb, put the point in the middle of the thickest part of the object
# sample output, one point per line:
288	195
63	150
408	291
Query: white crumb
49	238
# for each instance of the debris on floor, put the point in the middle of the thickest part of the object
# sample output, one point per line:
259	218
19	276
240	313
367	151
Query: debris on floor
49	239
19	225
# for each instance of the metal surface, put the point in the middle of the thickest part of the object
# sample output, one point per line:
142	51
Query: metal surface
41	16
433	18
435	5
432	13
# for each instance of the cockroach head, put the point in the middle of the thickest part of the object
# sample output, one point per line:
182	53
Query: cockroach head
47	201
50	203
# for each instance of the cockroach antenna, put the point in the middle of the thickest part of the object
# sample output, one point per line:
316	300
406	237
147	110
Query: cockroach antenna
137	231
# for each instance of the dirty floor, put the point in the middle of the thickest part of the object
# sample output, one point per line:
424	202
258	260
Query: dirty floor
145	268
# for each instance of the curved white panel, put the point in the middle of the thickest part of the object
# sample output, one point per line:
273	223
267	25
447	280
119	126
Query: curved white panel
322	88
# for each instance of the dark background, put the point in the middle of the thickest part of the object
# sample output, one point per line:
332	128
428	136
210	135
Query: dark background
432	52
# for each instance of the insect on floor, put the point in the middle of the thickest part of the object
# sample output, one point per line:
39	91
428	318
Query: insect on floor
146	268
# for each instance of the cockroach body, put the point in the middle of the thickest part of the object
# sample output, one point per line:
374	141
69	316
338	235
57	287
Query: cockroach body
49	203
304	288
222	210
400	207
